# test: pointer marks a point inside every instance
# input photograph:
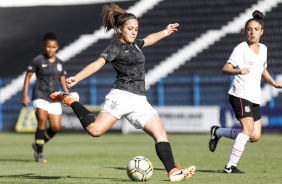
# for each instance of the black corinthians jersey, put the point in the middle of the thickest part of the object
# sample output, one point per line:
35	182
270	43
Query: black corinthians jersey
47	76
129	64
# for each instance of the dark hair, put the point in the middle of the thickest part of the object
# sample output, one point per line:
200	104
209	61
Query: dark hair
49	36
113	16
258	17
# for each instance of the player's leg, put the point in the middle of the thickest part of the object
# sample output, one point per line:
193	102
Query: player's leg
256	135
238	147
102	124
55	118
55	125
155	129
41	116
95	127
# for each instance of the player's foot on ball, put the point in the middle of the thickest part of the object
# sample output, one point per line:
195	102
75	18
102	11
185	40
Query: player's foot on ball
214	138
179	174
232	169
40	158
66	98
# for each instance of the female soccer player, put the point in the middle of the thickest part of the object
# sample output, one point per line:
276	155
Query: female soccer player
128	97
49	70
248	63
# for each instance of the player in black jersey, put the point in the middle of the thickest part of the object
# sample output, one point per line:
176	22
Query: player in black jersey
128	97
49	70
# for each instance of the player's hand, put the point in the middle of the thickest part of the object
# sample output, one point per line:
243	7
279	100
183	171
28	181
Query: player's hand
71	81
25	100
244	71
278	84
171	28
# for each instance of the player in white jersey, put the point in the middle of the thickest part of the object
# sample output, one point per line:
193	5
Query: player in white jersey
49	71
247	63
128	97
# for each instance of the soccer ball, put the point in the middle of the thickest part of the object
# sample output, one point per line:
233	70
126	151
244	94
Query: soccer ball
139	168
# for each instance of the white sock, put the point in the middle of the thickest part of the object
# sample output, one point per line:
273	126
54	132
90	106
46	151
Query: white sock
230	133
237	149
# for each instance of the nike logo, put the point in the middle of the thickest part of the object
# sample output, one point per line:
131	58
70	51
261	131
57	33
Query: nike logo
126	51
44	65
65	94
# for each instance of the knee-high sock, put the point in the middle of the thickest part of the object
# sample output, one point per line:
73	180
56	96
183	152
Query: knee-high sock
39	140
230	133
237	149
164	153
49	134
83	114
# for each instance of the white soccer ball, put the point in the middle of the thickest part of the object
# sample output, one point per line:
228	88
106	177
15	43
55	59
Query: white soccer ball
139	168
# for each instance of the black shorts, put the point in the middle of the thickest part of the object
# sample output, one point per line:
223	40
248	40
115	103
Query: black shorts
244	108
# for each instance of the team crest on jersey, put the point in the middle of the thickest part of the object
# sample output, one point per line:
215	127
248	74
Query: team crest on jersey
247	108
114	105
59	67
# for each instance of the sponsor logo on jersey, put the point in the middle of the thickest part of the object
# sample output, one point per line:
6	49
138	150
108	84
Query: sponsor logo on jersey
44	65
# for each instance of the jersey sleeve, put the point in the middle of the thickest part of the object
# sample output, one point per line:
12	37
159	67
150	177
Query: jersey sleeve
237	56
140	43
32	67
110	53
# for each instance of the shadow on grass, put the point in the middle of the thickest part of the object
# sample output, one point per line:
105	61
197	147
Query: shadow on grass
38	177
15	160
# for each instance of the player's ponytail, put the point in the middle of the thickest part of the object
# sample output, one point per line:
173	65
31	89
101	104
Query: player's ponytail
113	16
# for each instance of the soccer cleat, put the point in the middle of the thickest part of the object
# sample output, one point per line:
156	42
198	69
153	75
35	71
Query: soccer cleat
38	156
232	169
66	98
179	174
189	171
214	138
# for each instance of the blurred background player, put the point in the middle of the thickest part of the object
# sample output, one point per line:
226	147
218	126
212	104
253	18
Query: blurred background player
128	96
49	70
248	63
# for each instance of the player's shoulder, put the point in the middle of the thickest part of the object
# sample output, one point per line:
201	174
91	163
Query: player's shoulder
261	45
39	59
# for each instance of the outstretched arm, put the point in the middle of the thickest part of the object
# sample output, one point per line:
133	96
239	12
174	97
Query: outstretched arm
155	37
229	69
270	80
86	72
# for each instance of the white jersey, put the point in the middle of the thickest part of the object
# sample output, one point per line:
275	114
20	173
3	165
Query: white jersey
248	86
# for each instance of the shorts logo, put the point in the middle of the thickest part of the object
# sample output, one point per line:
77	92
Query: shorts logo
247	109
114	105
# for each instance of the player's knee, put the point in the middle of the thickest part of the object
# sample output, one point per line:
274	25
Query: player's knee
255	138
94	132
56	128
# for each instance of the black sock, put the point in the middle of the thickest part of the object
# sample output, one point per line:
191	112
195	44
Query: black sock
39	140
164	152
83	114
49	134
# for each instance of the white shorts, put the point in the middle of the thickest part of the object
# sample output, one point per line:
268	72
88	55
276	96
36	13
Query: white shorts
135	108
50	107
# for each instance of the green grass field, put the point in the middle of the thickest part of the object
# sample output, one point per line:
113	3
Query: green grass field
79	158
